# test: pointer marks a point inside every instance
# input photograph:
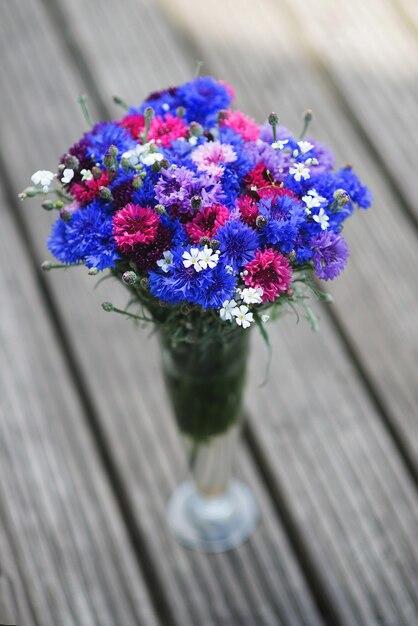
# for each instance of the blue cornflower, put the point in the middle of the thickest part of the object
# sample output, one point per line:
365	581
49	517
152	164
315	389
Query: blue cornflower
238	243
230	187
202	98
87	237
221	287
330	254
285	217
180	283
347	180
145	195
162	102
105	134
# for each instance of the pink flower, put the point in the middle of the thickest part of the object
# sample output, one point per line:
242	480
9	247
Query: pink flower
241	124
135	123
248	209
207	222
86	191
269	270
210	157
166	129
133	225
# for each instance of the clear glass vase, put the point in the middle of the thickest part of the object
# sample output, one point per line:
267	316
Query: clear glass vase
211	511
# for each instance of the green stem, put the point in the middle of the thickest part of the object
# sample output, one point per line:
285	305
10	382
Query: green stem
82	99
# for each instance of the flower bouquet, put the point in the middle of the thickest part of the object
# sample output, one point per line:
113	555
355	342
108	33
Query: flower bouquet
214	224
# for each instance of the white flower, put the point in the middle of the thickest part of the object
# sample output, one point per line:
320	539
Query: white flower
43	178
192	140
151	158
227	311
132	156
265	318
243	316
252	295
279	144
229	269
208	258
295	152
311	202
322	218
315	194
67	175
305	146
166	262
86	175
165	106
299	171
192	258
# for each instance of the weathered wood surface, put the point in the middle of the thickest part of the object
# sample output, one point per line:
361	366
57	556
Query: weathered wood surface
320	434
259	583
61	525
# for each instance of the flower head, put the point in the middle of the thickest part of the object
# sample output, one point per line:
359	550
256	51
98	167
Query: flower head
43	178
330	254
211	157
133	225
243	316
238	243
241	124
207	222
270	271
167	129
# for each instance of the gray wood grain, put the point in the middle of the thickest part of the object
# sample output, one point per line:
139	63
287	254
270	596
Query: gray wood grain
261	583
370	565
66	543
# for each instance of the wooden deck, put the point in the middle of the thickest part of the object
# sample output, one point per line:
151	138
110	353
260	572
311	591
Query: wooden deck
88	450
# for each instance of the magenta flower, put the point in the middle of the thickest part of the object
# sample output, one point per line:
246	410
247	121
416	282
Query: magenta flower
133	225
269	270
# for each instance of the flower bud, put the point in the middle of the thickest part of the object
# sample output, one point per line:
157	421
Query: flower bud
71	161
105	193
308	115
126	164
273	119
196	202
195	129
65	215
59	204
113	151
180	111
96	171
130	278
93	271
204	241
48	205
144	282
107	306
214	244
160	209
341	197
149	113
261	221
222	115
46	266
108	160
137	182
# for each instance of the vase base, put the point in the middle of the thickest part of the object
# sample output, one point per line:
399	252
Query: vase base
213	524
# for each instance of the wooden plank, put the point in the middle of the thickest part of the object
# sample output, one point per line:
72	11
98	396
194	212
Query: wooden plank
259	583
370	50
260	52
65	534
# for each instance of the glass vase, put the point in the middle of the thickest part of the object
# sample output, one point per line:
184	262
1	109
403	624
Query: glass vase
211	511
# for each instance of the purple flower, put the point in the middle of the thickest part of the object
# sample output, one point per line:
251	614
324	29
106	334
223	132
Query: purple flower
330	254
175	187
